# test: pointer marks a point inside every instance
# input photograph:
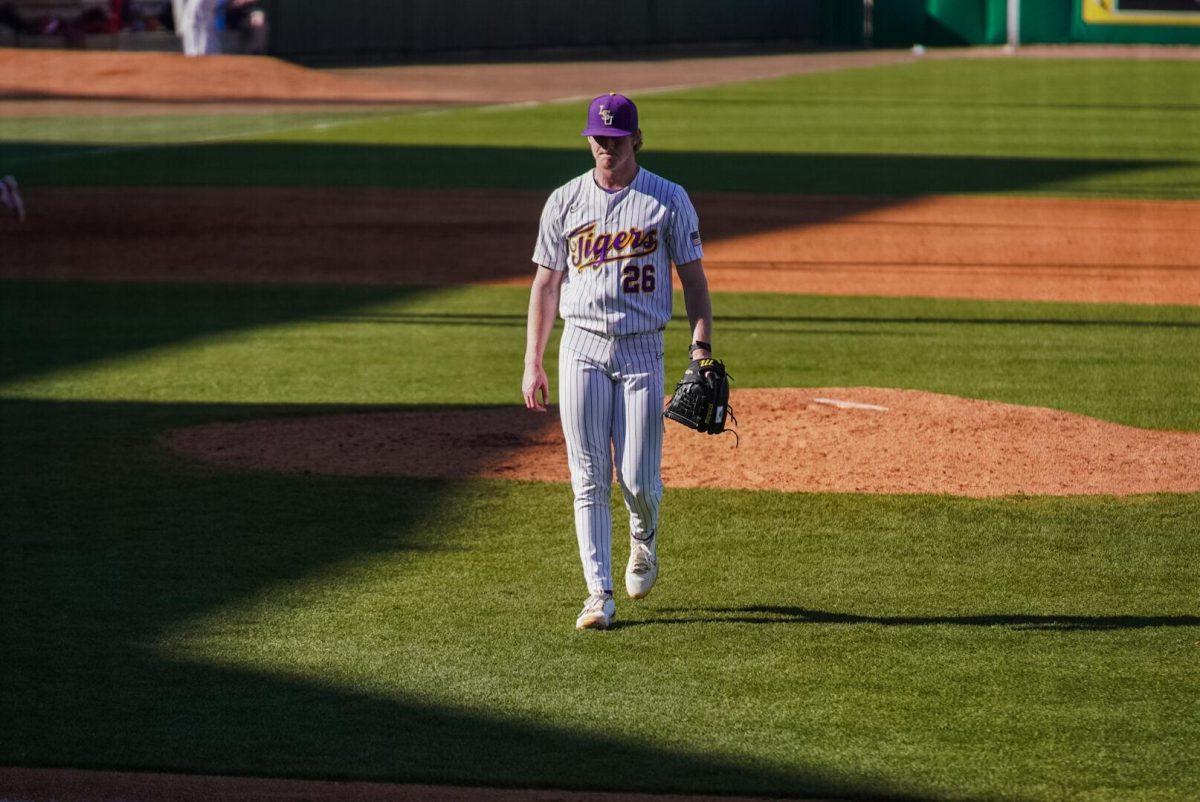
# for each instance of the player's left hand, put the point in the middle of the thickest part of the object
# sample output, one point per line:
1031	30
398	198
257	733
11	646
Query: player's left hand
701	399
536	388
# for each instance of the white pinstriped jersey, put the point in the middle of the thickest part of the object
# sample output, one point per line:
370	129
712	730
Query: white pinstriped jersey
617	249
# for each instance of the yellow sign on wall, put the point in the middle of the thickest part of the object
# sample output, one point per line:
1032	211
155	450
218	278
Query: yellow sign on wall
1141	12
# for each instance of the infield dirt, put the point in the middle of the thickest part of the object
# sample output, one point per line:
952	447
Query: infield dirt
1033	249
836	439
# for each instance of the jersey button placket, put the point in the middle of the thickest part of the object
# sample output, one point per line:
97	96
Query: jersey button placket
612	201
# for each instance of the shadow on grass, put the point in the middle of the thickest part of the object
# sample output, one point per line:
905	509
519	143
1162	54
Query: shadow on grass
48	326
777	614
122	709
110	545
52	325
434	167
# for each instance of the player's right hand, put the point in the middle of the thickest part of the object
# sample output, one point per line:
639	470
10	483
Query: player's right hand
536	388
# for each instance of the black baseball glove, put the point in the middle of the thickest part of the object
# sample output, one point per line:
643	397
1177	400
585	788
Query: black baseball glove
701	399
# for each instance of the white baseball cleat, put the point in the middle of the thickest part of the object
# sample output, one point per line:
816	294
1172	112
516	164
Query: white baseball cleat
642	569
598	612
11	195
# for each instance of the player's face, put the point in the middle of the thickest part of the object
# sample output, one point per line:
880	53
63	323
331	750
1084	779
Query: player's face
611	152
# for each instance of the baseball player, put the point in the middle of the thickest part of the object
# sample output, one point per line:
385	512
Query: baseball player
196	25
604	251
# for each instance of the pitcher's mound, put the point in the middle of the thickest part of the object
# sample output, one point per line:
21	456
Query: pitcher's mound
850	440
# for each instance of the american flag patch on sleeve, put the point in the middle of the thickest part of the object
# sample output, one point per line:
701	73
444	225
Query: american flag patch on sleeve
695	238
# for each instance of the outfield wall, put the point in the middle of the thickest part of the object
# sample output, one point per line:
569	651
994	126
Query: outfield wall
1142	21
349	29
899	23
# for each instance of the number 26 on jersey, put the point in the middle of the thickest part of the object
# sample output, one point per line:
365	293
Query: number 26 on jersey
637	278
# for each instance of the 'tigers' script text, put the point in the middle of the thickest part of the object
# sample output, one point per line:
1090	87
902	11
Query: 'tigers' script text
589	249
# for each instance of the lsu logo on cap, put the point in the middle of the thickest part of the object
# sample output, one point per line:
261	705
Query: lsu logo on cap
606	115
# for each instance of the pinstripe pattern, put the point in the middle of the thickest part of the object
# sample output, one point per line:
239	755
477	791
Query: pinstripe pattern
611	353
592	296
610	402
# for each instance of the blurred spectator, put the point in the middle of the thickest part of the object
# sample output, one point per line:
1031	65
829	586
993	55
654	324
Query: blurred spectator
42	25
99	19
249	19
196	22
196	25
118	15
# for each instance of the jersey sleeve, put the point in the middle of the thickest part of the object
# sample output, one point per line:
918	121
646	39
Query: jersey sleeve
683	234
551	248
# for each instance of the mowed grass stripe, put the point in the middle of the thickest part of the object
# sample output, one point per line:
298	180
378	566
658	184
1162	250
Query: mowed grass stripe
971	107
1088	128
1137	365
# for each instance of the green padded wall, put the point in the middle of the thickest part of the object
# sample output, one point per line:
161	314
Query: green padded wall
1046	21
940	22
1062	21
955	22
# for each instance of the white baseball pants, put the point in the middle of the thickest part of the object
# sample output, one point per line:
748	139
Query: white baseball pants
196	24
610	401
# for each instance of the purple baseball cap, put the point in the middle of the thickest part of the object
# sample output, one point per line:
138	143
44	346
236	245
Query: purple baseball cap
611	115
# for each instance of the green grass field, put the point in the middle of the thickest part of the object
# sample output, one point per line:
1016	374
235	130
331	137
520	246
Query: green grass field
161	615
1087	128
